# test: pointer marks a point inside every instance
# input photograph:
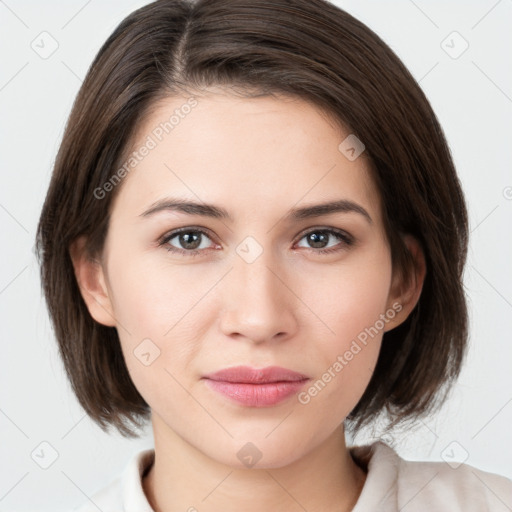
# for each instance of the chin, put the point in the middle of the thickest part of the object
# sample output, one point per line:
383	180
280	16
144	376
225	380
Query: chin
257	451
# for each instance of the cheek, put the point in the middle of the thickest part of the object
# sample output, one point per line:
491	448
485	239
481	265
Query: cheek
151	297
350	298
156	308
350	304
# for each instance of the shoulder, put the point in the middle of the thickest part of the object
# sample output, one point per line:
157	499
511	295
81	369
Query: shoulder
125	493
107	499
453	487
394	483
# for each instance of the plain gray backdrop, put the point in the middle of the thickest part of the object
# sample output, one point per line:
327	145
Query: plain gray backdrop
459	52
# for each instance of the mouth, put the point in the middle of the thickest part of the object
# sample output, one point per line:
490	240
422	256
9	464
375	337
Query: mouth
254	387
248	375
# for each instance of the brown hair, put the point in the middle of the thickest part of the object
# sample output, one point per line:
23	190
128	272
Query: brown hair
306	48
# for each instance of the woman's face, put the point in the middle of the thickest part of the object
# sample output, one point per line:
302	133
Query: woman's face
251	287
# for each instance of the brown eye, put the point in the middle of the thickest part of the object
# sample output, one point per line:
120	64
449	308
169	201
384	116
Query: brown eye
320	239
186	241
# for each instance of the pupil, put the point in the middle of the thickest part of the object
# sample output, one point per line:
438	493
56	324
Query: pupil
184	240
314	238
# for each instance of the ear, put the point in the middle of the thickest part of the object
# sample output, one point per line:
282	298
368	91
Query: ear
405	295
91	281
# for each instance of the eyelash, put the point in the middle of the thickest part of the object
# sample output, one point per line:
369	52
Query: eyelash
346	239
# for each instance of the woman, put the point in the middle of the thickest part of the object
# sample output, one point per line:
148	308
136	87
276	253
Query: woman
255	237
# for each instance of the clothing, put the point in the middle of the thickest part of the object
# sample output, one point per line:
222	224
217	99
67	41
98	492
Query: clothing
392	484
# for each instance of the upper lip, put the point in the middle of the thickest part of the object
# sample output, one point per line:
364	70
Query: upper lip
246	374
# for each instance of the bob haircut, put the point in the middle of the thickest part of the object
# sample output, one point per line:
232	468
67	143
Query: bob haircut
309	49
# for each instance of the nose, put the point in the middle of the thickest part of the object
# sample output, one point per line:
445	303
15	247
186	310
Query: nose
258	302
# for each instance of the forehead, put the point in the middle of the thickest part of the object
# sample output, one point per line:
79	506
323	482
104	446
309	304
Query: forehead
241	152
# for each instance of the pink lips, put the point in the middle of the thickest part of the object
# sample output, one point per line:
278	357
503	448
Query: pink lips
256	387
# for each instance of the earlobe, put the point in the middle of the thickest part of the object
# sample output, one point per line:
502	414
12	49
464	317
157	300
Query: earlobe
90	277
407	293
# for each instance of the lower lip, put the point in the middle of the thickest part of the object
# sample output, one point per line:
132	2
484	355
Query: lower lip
257	395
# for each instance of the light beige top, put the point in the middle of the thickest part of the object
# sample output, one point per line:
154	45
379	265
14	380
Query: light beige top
392	484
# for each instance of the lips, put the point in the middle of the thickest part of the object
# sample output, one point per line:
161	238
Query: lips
255	387
248	375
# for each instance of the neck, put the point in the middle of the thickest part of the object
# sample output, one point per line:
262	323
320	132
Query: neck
182	477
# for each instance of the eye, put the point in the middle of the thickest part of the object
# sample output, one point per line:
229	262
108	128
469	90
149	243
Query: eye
190	240
318	239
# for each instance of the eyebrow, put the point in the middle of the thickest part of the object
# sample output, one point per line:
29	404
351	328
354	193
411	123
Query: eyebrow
217	212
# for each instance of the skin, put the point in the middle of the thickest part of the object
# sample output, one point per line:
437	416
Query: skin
292	306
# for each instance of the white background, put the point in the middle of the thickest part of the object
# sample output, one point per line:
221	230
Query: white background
472	96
